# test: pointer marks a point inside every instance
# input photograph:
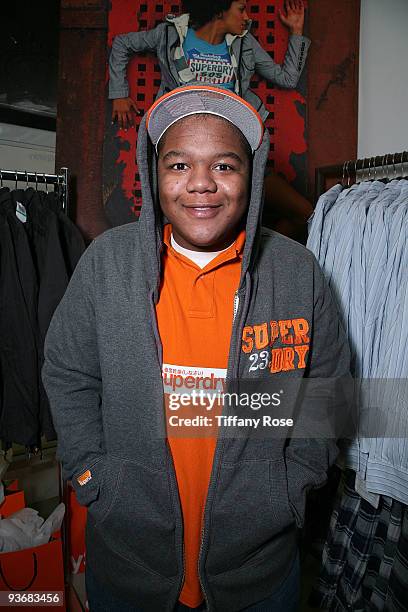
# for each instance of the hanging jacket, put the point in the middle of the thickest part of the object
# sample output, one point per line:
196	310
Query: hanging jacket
247	58
39	251
56	246
103	375
18	330
72	242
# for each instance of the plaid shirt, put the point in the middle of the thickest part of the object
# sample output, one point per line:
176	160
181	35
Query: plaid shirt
365	558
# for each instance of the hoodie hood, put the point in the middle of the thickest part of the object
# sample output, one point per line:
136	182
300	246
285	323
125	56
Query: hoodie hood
151	219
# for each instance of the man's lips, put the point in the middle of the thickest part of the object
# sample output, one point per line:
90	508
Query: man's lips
202	211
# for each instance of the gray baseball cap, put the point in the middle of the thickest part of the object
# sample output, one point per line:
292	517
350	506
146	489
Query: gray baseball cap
194	99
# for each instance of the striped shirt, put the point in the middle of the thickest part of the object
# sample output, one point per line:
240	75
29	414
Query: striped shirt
360	238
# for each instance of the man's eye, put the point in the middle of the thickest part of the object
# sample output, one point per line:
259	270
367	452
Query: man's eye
223	167
179	166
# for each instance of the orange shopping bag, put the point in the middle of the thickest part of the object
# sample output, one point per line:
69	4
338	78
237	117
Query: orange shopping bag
13	499
76	524
33	577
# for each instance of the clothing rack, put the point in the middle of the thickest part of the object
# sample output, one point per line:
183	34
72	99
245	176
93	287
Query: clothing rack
29	176
380	167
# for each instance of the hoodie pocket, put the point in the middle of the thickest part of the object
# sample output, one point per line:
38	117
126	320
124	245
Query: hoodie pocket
105	475
139	523
250	509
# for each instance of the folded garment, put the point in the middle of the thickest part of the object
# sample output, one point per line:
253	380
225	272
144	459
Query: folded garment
26	528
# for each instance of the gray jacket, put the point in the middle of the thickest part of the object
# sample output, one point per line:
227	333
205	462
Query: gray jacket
102	373
247	57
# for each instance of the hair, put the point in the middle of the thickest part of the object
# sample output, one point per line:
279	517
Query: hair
204	116
203	11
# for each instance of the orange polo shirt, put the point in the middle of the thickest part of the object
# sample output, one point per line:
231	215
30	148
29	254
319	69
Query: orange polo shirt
194	315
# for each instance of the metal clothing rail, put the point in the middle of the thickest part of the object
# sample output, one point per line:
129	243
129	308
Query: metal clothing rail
380	167
28	176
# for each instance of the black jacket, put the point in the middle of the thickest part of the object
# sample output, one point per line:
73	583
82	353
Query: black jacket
37	259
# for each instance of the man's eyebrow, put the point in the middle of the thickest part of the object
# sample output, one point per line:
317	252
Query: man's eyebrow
222	155
230	154
171	154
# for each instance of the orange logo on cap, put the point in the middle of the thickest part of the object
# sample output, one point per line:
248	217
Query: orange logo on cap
84	478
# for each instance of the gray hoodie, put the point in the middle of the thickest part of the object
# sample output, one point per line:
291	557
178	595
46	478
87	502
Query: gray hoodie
166	41
103	376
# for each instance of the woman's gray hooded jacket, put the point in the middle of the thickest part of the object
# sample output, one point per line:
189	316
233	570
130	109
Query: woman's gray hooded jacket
103	376
247	57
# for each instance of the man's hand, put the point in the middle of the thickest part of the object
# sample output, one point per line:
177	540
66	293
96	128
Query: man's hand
295	16
122	112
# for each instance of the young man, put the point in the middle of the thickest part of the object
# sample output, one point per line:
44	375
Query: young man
194	296
209	44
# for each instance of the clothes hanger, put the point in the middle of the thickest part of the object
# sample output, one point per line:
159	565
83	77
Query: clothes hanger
369	168
402	165
343	174
363	169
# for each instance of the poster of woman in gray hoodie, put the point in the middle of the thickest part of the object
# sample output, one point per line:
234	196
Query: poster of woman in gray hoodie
210	43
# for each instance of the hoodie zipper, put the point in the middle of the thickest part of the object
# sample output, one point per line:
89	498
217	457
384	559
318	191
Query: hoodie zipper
234	315
173	475
236	306
198	565
239	69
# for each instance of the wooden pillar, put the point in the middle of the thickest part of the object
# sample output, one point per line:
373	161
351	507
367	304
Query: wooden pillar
81	109
332	122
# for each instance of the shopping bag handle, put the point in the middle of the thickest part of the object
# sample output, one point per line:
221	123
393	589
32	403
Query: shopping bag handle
30	584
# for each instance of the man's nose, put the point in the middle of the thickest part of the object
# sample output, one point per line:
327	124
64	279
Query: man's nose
201	180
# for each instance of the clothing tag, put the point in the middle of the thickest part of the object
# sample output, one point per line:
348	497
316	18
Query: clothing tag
371	498
21	212
84	478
